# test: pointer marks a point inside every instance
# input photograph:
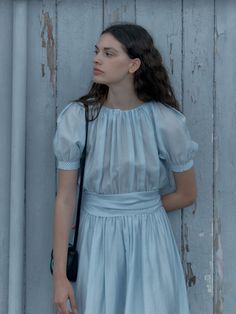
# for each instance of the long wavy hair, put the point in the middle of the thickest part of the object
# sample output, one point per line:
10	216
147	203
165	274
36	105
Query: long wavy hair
151	80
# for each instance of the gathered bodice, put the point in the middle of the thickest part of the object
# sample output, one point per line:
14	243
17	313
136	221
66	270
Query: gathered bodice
127	150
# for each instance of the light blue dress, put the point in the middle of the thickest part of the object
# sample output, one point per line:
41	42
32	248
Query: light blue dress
128	257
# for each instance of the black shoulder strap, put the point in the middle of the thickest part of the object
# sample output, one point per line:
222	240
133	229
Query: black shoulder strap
82	166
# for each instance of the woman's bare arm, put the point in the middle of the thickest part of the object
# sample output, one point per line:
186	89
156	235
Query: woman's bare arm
185	193
65	203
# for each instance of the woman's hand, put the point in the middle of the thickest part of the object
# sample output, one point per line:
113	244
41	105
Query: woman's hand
63	291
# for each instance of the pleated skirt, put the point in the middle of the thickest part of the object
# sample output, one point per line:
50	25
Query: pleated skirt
129	262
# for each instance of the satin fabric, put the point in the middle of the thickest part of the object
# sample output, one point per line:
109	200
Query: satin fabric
128	258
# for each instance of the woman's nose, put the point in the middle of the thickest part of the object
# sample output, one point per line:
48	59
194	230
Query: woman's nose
97	58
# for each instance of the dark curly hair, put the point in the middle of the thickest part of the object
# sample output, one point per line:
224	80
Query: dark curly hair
151	80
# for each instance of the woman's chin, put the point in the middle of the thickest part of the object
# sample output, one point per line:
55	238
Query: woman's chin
97	80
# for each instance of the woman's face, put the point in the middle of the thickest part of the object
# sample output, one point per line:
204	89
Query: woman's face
113	62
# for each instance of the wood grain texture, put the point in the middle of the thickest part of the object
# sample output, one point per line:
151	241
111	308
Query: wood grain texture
40	170
153	15
197	40
5	145
198	50
119	11
79	26
225	158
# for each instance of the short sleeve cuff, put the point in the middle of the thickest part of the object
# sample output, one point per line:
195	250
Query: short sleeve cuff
181	168
68	165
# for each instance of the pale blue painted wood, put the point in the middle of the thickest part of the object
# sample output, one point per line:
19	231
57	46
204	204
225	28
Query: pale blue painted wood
119	11
198	50
5	145
153	16
204	80
225	157
17	187
79	26
40	170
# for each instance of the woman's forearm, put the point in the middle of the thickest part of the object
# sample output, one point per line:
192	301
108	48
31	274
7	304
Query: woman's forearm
63	215
175	200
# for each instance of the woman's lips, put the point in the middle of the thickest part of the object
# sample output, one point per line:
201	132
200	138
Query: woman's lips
97	72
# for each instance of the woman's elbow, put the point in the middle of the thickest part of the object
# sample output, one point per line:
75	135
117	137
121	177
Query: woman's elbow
190	198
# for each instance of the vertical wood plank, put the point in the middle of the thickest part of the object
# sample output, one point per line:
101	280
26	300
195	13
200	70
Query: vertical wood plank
5	144
76	37
163	20
18	143
225	157
40	172
198	44
79	26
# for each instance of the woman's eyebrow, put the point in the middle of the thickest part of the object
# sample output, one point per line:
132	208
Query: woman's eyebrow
107	48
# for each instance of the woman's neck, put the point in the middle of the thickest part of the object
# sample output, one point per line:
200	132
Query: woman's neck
122	98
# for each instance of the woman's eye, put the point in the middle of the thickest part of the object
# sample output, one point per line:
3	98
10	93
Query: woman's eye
108	54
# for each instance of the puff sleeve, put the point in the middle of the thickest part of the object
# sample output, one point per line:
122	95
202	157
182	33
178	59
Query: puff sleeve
68	141
175	145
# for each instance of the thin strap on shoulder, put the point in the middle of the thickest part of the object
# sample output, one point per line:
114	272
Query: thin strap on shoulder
82	166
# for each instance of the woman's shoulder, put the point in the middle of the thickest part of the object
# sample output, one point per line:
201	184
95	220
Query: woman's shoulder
71	110
166	114
166	109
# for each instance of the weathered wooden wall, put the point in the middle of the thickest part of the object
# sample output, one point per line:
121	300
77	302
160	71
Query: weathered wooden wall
198	42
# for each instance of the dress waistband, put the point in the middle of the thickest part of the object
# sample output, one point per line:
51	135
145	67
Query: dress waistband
133	203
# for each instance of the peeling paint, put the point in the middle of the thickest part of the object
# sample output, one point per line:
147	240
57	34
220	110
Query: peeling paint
186	247
190	277
201	234
197	66
219	266
47	42
219	34
194	206
219	262
216	163
171	59
193	99
115	16
117	13
43	69
209	280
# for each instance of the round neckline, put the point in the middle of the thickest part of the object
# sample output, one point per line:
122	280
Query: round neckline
126	110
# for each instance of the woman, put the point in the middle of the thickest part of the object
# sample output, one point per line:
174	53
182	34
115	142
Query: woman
128	257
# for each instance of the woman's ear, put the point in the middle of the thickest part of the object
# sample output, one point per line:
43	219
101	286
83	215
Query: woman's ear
134	65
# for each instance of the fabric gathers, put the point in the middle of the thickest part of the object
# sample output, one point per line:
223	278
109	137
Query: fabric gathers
128	257
134	148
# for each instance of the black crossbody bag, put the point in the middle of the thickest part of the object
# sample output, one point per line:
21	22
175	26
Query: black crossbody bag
72	254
